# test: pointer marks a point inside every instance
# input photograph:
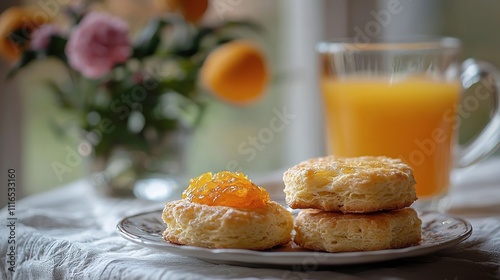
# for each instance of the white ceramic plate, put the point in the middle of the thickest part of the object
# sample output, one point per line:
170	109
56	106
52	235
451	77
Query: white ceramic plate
439	231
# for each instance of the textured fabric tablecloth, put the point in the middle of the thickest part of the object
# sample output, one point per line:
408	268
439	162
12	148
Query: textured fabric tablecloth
69	233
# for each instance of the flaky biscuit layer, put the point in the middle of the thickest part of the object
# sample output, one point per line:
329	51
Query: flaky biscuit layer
350	185
337	232
226	227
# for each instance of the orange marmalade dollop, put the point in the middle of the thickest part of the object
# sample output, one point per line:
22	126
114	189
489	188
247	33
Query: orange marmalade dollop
226	189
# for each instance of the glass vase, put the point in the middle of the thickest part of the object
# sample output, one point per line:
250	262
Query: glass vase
157	173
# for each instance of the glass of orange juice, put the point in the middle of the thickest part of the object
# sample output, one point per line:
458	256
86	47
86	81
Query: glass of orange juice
401	98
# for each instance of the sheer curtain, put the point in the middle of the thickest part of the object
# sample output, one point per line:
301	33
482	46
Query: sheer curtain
10	126
305	23
303	28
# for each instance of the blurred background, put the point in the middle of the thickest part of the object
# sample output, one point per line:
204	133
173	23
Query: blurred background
291	28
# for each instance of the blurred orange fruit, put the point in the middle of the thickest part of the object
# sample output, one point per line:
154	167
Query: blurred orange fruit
236	72
192	10
166	5
16	26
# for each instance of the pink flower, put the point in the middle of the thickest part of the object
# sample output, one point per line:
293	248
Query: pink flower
97	44
40	38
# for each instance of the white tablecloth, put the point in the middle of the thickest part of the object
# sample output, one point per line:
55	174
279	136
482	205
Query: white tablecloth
69	233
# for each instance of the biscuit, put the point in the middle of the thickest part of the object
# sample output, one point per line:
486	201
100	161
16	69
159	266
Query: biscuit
337	232
206	226
350	185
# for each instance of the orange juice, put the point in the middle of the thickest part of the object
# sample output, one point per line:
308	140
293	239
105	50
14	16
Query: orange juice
411	119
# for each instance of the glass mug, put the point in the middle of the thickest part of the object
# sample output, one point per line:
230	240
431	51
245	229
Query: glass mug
402	99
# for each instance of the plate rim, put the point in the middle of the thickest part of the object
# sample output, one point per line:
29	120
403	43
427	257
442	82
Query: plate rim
325	258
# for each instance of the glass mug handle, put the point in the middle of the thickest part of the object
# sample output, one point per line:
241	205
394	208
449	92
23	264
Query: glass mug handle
488	140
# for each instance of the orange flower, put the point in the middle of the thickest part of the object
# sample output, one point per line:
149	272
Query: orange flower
16	26
192	10
236	72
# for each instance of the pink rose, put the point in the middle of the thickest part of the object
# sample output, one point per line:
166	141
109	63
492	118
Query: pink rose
97	44
40	38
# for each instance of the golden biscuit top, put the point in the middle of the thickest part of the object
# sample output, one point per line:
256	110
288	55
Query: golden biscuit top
324	170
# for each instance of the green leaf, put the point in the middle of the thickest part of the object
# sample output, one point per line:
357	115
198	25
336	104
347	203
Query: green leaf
242	24
57	128
183	87
62	97
57	46
193	46
149	39
27	57
190	113
223	40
